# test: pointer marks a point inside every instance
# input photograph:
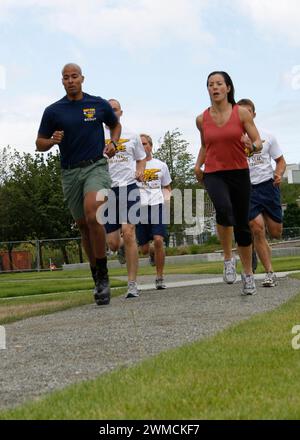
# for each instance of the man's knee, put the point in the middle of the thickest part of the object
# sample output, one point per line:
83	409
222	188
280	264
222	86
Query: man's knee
144	249
158	241
257	228
274	228
128	234
113	245
91	219
275	231
83	228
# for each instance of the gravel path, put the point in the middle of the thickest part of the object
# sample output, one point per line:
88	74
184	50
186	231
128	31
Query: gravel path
49	352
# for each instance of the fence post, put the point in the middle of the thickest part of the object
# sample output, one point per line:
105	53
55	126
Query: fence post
38	256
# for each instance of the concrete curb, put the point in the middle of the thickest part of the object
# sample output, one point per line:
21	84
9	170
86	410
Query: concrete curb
185	259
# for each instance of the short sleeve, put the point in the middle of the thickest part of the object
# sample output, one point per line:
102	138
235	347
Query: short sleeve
139	151
166	178
109	117
275	150
47	125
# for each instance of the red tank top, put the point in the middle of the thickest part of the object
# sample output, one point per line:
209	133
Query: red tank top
223	146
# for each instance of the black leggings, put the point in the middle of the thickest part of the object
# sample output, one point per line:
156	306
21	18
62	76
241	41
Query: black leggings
229	192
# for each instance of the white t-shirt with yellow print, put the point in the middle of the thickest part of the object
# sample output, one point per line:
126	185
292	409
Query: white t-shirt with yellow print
156	176
260	164
122	166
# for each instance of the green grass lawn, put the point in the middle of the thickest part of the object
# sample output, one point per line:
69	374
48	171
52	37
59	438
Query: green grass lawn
15	309
25	296
66	289
42	286
280	265
248	371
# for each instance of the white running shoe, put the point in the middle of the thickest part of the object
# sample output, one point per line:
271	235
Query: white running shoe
229	272
249	287
270	280
132	291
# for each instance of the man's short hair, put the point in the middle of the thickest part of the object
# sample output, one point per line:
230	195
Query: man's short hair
149	139
114	99
246	101
72	65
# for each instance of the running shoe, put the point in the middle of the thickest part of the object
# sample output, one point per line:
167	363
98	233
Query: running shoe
229	272
132	291
121	255
270	280
102	289
159	284
151	259
248	287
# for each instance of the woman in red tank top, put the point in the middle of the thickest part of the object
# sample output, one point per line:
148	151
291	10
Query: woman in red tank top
224	146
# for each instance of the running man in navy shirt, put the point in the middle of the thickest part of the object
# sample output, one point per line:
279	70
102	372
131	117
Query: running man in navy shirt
75	124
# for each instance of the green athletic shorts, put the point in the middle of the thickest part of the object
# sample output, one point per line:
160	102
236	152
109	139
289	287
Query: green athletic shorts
78	182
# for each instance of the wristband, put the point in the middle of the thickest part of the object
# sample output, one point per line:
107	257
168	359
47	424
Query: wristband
114	144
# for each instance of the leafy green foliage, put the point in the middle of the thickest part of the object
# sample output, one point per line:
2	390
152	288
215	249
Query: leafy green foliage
289	192
174	152
291	217
31	199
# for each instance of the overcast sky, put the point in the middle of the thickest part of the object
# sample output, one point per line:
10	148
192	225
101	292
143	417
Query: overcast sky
154	57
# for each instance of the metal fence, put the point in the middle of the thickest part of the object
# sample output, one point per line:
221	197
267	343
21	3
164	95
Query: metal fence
39	255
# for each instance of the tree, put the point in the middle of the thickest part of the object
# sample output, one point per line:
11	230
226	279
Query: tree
5	159
173	151
31	200
291	217
290	192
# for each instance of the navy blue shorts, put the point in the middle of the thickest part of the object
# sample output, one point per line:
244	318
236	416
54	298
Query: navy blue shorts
152	223
123	207
265	199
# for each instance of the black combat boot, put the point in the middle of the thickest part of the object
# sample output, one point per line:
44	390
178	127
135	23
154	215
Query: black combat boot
102	289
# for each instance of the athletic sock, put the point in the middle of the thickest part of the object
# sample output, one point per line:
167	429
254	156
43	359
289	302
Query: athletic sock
101	266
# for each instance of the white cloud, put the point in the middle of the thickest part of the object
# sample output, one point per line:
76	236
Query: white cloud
134	24
290	79
157	123
283	122
274	17
20	119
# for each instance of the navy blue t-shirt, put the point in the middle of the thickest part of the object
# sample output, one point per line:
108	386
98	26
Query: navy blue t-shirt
82	123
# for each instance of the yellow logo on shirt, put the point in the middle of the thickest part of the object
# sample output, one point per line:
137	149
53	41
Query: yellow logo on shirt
151	174
120	144
89	114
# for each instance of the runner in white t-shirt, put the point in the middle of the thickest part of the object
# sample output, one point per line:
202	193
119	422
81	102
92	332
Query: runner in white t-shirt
155	190
125	169
265	205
